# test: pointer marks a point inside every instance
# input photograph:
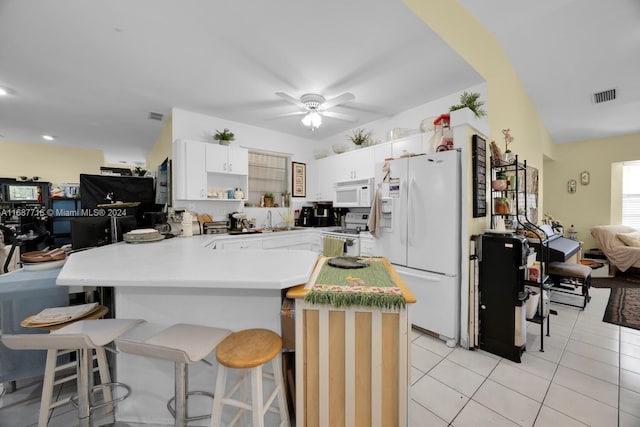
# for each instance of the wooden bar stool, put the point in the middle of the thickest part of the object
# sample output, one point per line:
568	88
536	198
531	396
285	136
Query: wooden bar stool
83	336
182	344
250	349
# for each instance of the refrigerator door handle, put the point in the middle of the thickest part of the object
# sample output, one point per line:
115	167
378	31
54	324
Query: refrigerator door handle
419	276
405	230
411	214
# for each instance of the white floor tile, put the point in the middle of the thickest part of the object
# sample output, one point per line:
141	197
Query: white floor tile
627	336
534	365
521	381
423	359
548	417
415	334
630	402
630	380
457	377
552	352
474	360
581	407
597	340
510	404
433	344
474	414
630	330
592	367
421	416
440	399
416	374
593	352
630	363
597	330
595	388
628	420
629	349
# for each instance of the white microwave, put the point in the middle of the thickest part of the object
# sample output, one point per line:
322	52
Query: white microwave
354	194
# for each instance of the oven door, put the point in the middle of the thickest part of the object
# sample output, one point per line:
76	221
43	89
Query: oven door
351	243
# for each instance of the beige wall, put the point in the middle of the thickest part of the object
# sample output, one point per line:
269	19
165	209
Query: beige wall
162	149
599	202
508	105
54	164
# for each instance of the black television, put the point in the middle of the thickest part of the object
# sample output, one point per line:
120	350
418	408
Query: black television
22	193
89	231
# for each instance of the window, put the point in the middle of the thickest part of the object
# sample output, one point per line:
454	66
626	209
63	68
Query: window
631	194
268	173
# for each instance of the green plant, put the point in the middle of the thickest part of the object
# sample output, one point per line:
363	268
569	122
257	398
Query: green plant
472	102
268	195
360	136
224	135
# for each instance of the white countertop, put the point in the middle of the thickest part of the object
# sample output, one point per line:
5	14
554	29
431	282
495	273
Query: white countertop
185	262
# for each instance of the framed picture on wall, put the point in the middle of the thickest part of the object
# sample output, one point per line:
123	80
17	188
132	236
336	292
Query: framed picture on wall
479	161
299	179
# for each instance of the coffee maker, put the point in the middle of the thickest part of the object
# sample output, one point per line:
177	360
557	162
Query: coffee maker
322	212
306	217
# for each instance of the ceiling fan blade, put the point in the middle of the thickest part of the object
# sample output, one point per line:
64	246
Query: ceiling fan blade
279	116
341	99
339	116
291	99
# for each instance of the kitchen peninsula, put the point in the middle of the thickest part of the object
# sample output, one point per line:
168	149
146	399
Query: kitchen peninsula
183	280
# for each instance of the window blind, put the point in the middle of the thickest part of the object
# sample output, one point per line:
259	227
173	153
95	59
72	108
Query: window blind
267	174
631	194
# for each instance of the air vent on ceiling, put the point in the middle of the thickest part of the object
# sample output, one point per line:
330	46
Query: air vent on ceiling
604	96
156	116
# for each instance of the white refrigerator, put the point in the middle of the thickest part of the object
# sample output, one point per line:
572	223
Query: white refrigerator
420	235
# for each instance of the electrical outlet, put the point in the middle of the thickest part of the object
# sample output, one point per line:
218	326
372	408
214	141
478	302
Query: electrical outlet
191	207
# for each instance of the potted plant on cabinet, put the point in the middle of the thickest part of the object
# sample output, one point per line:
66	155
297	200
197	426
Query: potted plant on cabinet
472	102
360	137
224	137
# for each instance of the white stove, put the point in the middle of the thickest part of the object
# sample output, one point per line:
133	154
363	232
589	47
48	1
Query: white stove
354	224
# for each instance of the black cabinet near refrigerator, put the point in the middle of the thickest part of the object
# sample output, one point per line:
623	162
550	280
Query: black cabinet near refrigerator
503	261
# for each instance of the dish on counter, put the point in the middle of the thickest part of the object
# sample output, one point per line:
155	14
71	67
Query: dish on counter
34	266
43	256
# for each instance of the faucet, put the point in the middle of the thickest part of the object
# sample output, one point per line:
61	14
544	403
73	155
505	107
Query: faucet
268	221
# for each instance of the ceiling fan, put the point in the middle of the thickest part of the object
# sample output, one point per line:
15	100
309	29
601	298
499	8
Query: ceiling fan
315	106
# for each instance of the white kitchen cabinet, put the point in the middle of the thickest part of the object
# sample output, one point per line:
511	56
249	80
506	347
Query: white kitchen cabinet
411	144
251	243
224	159
189	171
325	180
353	165
297	240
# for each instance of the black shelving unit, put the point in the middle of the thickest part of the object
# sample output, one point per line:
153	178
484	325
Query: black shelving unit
517	216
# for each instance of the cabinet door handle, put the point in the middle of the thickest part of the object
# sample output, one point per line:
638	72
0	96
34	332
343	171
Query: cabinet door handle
230	167
224	166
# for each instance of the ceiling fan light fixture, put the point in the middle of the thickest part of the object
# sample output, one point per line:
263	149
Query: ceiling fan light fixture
312	119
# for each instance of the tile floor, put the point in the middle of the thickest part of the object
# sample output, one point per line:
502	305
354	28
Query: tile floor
589	375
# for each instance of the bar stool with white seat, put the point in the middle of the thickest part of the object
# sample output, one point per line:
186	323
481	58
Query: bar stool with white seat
83	336
182	344
250	349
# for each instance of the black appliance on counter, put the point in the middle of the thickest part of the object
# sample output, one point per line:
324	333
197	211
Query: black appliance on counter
307	218
323	213
503	327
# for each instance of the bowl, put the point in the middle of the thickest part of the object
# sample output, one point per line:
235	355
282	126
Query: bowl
499	184
319	153
339	148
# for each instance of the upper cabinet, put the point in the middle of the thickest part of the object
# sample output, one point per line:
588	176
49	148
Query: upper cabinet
352	165
411	145
189	170
200	165
224	159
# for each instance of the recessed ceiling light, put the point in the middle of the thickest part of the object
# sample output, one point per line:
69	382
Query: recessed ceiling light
48	137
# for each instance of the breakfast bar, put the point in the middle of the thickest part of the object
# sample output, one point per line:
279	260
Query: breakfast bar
182	280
